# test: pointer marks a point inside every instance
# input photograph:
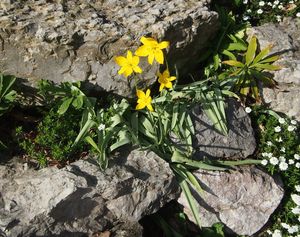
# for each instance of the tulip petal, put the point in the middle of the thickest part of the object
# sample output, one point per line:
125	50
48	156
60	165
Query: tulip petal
149	106
140	106
159	56
121	61
142	51
140	94
150	58
164	44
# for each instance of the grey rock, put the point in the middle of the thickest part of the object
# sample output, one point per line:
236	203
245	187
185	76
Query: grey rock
78	40
79	199
242	199
240	141
286	40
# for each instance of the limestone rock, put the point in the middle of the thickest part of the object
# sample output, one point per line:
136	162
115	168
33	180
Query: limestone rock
79	199
286	40
78	40
242	199
240	141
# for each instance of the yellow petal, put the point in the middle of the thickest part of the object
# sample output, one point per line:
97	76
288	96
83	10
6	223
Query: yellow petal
159	56
142	51
129	56
172	78
150	58
122	70
140	106
164	44
121	61
166	73
140	94
137	69
128	71
161	87
135	60
148	40
168	85
148	92
149	106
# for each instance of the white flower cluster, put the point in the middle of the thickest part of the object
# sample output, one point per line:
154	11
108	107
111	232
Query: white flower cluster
281	161
264	5
292	230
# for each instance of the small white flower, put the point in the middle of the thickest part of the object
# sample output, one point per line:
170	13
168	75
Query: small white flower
259	11
245	1
278	139
274	161
281	159
246	18
269	143
297	187
277	233
269	154
283	166
248	110
297	157
261	3
285	225
264	162
280	7
294	122
297	165
277	129
101	127
282	149
291	128
249	11
291	162
281	120
296	199
298	14
296	210
293	229
291	2
276	2
264	154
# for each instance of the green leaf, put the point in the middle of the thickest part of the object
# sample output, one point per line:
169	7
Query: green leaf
263	53
174	116
92	143
267	67
64	106
250	54
270	59
229	54
78	102
233	63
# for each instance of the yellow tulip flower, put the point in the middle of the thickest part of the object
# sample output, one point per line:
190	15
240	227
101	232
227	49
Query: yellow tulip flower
144	100
165	80
129	64
152	49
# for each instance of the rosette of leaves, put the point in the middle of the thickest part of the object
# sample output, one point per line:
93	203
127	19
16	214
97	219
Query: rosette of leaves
250	70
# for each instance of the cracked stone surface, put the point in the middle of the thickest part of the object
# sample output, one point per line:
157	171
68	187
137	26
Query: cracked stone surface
77	40
80	200
240	141
286	40
242	199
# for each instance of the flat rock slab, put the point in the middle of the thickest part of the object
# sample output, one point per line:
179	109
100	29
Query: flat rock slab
242	199
78	40
240	141
286	40
80	200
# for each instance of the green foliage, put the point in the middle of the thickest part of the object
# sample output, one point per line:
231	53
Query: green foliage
7	97
53	139
7	94
250	70
228	42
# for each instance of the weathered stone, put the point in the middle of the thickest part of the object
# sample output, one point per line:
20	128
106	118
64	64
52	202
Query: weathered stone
240	141
286	40
242	199
77	40
79	199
